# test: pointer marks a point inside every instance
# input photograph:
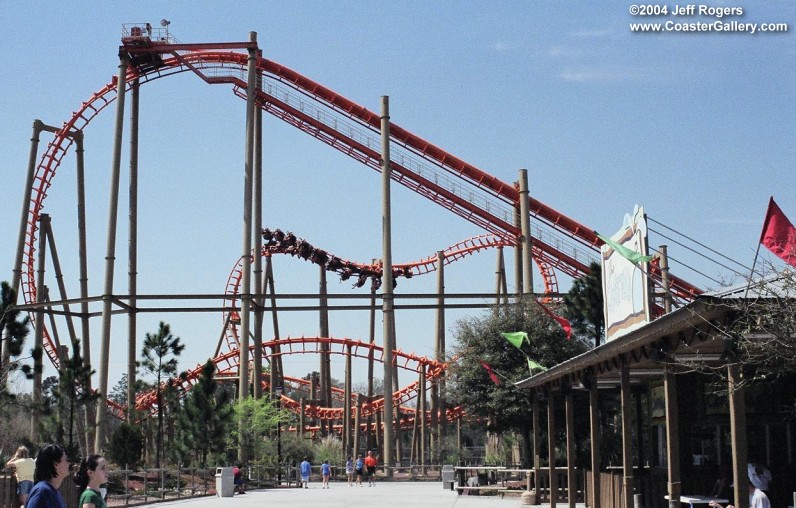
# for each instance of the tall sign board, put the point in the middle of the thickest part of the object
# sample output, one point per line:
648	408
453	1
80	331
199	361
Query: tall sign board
625	284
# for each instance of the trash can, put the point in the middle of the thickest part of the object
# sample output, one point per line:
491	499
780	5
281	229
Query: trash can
448	477
225	482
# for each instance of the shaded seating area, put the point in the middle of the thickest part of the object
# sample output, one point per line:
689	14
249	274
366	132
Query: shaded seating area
661	413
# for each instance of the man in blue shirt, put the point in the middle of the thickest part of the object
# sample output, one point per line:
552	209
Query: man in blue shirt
306	469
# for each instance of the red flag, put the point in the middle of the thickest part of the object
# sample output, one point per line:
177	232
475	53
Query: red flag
563	322
779	235
491	373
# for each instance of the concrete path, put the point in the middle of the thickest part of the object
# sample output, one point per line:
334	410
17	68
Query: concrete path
340	495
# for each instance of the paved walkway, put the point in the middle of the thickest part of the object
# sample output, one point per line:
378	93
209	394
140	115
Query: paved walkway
340	495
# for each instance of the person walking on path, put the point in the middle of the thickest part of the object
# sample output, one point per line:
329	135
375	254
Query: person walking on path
237	477
93	472
306	470
326	473
371	463
52	467
358	465
23	467
349	471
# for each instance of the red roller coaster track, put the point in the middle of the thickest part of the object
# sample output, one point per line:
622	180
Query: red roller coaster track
559	242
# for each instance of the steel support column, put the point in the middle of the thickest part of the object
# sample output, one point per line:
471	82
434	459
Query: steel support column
525	226
110	257
132	252
246	255
388	310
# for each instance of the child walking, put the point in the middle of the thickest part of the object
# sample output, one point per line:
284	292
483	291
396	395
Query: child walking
326	472
349	471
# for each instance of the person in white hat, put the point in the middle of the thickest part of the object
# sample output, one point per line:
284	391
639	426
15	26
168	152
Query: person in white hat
759	477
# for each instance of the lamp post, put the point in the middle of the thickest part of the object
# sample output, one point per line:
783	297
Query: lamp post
278	393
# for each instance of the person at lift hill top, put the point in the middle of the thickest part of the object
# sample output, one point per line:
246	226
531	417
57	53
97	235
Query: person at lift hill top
23	469
371	463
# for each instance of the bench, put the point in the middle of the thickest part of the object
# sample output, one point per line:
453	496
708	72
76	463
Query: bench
464	489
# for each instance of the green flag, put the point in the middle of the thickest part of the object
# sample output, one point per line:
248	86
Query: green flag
515	338
533	365
629	254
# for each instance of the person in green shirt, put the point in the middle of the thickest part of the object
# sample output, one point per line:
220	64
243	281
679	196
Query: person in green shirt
93	472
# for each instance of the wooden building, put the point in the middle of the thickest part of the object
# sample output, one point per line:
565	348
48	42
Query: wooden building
683	430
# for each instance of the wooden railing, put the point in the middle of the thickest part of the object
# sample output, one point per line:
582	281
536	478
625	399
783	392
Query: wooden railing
650	483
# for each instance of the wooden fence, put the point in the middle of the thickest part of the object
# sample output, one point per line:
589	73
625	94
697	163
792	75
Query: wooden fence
129	488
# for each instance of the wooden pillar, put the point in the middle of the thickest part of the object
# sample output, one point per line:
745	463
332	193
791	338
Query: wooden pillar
672	437
551	449
627	445
572	488
594	423
537	438
738	436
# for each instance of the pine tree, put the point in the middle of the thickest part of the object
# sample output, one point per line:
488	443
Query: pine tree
159	358
206	416
584	305
13	332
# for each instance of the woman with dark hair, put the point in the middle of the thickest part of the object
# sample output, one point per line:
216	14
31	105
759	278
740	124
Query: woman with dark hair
52	467
92	473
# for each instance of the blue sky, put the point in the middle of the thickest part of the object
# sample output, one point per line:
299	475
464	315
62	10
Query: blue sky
697	128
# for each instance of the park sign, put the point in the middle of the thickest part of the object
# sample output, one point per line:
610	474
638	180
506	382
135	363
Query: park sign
625	282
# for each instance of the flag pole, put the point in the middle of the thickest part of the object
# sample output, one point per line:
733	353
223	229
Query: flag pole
759	243
751	274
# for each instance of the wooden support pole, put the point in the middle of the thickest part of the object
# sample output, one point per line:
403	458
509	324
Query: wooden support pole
627	434
572	489
672	437
551	449
594	425
738	436
537	441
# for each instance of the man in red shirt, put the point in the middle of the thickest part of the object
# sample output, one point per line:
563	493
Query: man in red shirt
371	463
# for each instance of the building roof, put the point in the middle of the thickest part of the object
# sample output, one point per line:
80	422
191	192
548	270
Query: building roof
689	330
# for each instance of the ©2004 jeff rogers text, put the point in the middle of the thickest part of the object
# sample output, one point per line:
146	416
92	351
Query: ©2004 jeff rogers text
685	10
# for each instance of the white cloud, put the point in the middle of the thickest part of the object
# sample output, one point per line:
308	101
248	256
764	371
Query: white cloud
500	46
603	75
591	33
